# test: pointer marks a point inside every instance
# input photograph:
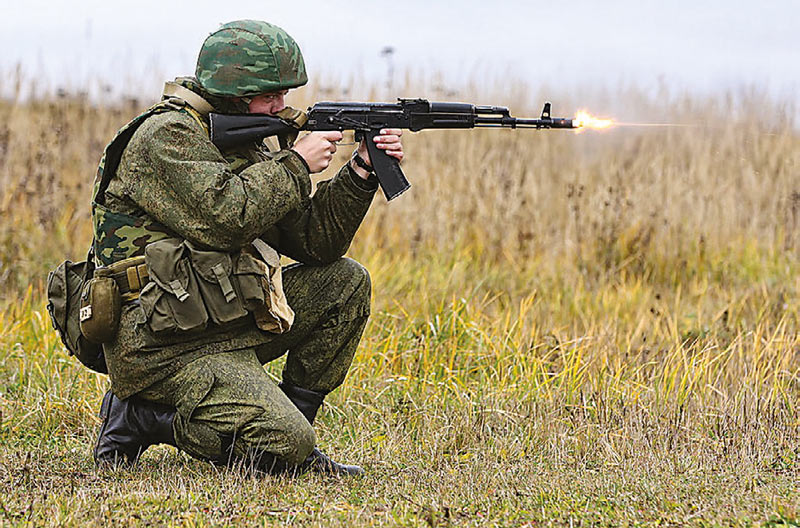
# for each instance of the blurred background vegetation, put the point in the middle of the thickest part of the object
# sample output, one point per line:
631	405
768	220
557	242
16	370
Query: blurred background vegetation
611	201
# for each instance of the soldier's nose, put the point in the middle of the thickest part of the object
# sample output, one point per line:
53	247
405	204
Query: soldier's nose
278	105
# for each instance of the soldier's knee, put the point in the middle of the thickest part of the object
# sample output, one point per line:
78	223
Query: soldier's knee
306	441
300	439
290	439
358	276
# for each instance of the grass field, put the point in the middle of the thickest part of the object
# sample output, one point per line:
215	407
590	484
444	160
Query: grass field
580	330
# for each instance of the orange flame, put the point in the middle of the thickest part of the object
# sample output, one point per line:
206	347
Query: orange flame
584	120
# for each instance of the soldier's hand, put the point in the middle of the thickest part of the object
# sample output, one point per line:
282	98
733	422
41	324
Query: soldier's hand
388	140
317	149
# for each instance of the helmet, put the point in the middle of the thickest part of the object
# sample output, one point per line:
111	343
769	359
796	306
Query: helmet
249	57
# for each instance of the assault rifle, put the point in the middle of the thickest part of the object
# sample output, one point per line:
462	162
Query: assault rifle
366	120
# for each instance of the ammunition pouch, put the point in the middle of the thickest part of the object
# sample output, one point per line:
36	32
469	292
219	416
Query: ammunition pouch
190	288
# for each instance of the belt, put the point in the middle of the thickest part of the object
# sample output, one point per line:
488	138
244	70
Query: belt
130	275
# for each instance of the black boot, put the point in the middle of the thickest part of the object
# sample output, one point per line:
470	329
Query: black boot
308	403
129	427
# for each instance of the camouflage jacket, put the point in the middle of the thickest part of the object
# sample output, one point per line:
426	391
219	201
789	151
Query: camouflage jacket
172	181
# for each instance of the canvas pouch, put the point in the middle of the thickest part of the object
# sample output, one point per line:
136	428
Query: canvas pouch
101	307
190	288
65	285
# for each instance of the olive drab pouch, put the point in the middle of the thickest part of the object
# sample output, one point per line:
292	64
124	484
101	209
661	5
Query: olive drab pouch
190	287
215	279
64	287
101	307
258	272
171	300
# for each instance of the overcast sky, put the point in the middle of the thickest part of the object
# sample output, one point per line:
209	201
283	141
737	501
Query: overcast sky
696	45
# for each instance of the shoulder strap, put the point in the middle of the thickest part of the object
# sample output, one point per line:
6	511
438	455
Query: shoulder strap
174	97
113	152
173	89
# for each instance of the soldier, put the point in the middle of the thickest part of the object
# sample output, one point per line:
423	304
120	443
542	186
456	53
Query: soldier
212	305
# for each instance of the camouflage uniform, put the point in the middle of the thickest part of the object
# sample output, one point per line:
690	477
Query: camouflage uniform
173	182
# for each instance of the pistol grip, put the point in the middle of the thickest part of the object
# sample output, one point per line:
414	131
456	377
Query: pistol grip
387	169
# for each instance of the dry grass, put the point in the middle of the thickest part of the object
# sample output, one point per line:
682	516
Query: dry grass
568	329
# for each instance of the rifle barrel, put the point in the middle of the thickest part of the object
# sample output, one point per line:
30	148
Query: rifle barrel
516	122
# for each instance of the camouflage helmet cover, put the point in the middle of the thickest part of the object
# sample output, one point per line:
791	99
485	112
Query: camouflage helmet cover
249	57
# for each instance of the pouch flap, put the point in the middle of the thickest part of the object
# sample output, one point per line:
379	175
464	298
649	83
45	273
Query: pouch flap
245	263
210	265
164	265
148	298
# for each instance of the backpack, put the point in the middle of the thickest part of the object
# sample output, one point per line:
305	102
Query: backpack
64	287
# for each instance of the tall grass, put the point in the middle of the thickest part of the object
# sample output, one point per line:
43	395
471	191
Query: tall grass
600	328
605	200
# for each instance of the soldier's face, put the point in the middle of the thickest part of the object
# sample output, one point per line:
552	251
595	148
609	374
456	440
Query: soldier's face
268	103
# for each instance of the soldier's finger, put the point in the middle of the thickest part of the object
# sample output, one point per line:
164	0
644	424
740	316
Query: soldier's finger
397	154
392	131
391	146
332	135
389	138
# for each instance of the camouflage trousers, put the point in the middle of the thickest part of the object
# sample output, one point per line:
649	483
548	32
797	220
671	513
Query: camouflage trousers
227	405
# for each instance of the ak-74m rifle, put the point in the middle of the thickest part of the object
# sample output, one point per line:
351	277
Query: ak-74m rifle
367	120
